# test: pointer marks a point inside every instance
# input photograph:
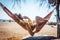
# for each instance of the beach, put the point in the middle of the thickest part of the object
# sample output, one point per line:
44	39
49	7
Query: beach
13	31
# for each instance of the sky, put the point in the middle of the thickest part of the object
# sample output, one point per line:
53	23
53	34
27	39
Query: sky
30	8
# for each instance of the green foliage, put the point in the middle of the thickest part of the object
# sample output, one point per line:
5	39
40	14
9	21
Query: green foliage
53	2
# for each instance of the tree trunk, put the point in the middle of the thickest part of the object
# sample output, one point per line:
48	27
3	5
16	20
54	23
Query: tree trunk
58	26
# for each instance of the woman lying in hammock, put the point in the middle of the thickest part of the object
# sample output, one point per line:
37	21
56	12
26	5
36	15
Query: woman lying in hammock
26	23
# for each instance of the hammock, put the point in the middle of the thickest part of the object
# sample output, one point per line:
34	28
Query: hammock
40	22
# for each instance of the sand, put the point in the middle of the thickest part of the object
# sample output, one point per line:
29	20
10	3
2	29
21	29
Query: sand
13	31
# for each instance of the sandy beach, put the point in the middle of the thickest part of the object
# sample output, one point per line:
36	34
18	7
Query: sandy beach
13	31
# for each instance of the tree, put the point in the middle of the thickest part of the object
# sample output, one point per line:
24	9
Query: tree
58	18
56	3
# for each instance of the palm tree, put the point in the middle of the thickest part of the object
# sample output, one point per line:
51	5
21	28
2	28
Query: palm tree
58	18
56	3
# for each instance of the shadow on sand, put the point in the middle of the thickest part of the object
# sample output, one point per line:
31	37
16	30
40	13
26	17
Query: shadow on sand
40	38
